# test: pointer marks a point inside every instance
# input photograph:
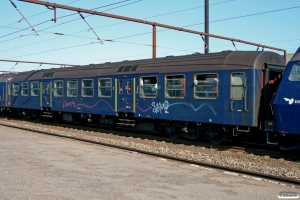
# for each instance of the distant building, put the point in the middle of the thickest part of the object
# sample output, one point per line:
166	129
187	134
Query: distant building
288	57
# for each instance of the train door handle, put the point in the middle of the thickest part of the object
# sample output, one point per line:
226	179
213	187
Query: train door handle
231	106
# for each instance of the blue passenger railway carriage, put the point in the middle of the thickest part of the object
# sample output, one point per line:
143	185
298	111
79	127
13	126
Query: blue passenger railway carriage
5	89
217	95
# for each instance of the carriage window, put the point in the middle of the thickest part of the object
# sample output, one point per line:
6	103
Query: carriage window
34	88
206	86
120	87
15	89
104	87
295	73
129	86
88	88
237	86
48	88
175	86
148	87
24	90
72	88
58	88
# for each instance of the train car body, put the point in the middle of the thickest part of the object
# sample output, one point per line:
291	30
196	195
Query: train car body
286	102
5	90
213	94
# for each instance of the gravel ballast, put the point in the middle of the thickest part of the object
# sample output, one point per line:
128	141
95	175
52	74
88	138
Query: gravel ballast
237	160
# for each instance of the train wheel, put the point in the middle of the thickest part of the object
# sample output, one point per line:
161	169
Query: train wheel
2	114
172	133
215	137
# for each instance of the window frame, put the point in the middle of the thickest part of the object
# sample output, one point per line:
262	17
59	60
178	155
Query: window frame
13	91
31	88
120	88
141	85
208	92
54	88
129	87
294	76
70	88
99	87
184	88
242	86
22	89
82	93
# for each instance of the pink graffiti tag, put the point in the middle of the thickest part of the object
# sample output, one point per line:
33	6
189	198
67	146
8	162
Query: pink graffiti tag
69	104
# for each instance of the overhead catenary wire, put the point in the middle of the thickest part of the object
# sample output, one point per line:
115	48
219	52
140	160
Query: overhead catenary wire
249	15
109	40
23	17
114	40
67	21
206	46
136	34
235	46
57	18
163	14
86	44
144	33
39	66
154	24
13	66
97	8
139	55
20	30
213	4
31	62
34	15
98	38
105	11
23	29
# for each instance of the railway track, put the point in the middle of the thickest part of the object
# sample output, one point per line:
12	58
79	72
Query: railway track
241	172
261	150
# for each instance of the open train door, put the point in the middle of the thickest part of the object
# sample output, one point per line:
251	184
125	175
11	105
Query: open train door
272	76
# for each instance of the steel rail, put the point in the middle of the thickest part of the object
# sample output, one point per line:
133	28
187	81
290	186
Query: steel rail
218	167
254	148
149	23
44	63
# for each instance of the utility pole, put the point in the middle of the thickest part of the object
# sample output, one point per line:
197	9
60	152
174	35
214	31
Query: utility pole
206	43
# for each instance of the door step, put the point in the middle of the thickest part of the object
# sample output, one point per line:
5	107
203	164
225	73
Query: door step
126	122
272	138
47	114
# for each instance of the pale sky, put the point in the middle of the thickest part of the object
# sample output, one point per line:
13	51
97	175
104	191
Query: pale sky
268	22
